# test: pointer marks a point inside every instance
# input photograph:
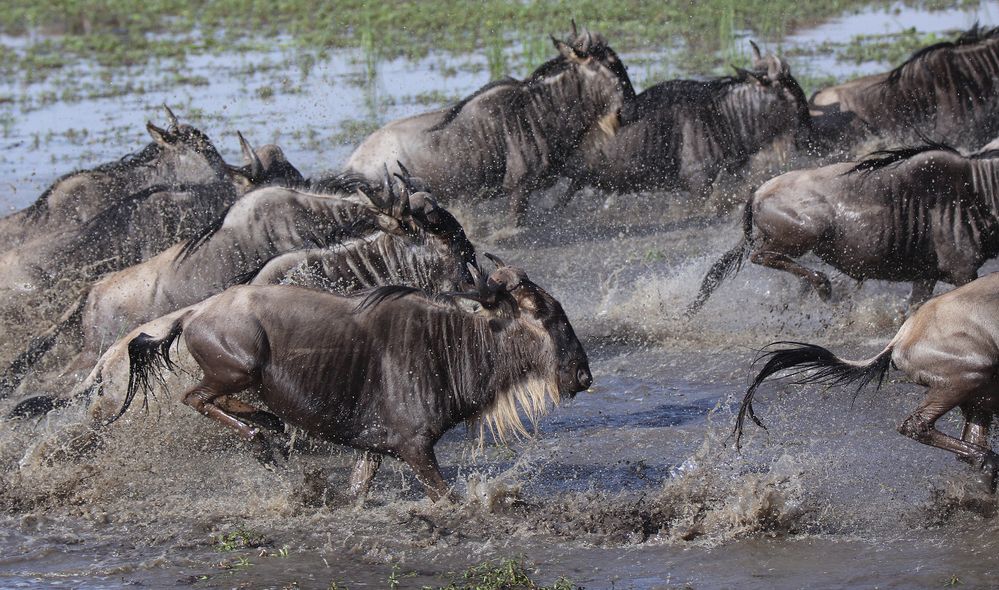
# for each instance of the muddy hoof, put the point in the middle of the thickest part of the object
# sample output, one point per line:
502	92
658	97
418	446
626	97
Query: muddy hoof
824	289
990	469
266	451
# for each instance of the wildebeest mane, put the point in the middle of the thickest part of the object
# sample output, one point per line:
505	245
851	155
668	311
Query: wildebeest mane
203	235
456	108
976	34
884	158
345	183
371	298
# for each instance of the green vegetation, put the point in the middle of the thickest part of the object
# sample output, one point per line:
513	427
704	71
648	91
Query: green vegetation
127	31
238	539
507	574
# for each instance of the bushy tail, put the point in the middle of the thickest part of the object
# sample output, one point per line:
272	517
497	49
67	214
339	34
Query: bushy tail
728	264
39	345
822	366
147	357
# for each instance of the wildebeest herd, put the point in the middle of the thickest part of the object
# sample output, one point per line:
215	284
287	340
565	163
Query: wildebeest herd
353	307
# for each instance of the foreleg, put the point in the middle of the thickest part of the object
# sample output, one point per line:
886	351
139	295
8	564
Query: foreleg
779	261
424	462
363	473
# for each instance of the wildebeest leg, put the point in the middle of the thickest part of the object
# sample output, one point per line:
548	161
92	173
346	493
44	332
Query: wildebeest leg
976	428
563	201
518	205
779	261
364	471
922	290
248	412
921	426
201	396
424	462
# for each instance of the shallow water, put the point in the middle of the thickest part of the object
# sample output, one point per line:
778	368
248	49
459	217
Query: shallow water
632	485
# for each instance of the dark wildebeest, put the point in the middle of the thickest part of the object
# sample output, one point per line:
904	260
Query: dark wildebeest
410	241
948	91
681	134
388	373
510	136
950	345
179	156
141	225
922	214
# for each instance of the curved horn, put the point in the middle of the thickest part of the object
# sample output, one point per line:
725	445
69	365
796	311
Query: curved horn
405	172
575	33
756	50
390	202
495	260
256	166
171	118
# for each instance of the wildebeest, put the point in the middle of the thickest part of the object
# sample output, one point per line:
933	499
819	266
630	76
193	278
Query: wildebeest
409	240
951	346
510	136
388	373
681	134
922	214
948	92
179	156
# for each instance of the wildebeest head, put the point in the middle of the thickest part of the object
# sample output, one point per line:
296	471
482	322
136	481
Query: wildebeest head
264	166
591	55
773	74
509	294
410	210
186	154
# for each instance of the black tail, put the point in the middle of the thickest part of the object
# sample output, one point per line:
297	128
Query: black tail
39	345
824	366
728	264
35	407
147	356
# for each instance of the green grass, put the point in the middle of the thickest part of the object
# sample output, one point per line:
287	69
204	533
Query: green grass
129	31
507	574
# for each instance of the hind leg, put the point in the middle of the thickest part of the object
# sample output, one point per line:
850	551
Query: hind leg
201	397
921	426
818	281
363	473
977	424
249	413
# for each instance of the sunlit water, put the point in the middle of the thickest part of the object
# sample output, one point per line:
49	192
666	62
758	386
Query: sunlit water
632	485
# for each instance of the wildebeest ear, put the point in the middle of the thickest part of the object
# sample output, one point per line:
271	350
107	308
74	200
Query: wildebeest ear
160	136
250	158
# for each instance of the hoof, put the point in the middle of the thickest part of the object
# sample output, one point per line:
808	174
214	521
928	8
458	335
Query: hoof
266	451
990	469
824	289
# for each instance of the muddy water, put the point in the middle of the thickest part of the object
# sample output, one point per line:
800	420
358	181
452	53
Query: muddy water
632	485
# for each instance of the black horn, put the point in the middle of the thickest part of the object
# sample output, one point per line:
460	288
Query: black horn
251	158
171	118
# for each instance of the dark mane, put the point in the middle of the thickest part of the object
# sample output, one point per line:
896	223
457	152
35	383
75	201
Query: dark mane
374	297
976	34
128	162
884	158
203	235
345	183
456	108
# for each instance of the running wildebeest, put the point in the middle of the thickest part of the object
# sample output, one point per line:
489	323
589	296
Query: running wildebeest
179	156
387	373
681	134
948	92
922	214
415	243
949	345
511	136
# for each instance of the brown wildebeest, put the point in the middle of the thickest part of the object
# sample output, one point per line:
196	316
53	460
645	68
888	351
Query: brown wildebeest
923	214
950	345
407	239
948	91
510	136
179	156
388	373
681	134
